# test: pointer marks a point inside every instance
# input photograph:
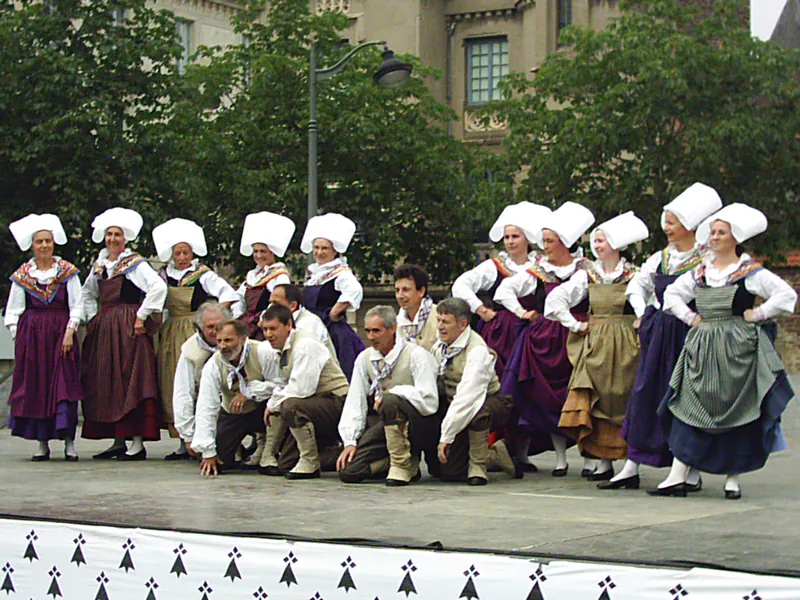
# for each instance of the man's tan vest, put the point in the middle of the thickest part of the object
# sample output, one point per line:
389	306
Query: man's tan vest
332	379
455	370
253	372
197	356
401	374
429	334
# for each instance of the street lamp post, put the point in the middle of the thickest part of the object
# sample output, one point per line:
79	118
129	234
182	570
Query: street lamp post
392	73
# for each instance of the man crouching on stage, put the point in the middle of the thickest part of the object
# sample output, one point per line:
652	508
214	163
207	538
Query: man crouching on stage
471	392
310	403
234	386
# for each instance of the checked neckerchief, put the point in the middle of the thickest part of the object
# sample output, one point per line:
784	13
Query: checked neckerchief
382	372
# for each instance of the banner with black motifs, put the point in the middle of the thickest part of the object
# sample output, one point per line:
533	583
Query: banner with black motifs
43	560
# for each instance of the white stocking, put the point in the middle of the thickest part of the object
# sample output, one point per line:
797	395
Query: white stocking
589	464
605	465
136	445
630	469
732	483
560	446
677	474
44	449
693	478
69	447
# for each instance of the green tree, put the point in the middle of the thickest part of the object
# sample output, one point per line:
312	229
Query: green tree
386	160
84	106
627	117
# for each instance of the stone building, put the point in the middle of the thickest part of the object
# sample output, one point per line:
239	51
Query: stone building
473	43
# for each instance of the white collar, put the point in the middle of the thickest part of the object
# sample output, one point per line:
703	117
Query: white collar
514	267
204	345
716	273
103	261
393	353
673	252
175	273
44	276
288	344
328	266
598	265
461	341
561	272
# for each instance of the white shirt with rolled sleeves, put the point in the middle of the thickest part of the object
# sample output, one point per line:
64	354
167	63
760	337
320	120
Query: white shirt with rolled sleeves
641	289
209	397
482	278
779	297
16	298
184	395
310	357
511	289
345	283
572	292
423	395
253	277
212	284
470	391
142	276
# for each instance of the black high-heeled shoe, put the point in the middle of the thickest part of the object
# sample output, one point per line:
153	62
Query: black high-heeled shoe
41	457
678	490
629	483
733	494
694	487
560	472
604	476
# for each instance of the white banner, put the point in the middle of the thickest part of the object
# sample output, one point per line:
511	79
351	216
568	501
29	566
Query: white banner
48	560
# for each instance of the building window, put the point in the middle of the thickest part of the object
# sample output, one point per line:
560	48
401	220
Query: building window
487	64
564	14
183	30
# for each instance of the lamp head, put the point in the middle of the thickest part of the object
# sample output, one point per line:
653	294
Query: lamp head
393	72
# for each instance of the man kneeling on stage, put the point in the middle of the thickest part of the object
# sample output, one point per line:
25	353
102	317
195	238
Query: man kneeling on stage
470	390
398	380
310	403
234	385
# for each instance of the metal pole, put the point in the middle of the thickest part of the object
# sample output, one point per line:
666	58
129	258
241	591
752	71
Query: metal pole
312	134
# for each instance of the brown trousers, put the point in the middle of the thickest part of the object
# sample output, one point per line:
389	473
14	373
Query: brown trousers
324	412
232	429
423	433
492	416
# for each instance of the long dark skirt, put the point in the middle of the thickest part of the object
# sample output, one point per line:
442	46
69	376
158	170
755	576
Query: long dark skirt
661	338
119	378
738	450
46	387
537	377
501	334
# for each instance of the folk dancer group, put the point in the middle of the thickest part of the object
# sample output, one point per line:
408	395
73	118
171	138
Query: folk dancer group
669	365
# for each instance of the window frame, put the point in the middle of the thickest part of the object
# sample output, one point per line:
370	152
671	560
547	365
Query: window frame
494	52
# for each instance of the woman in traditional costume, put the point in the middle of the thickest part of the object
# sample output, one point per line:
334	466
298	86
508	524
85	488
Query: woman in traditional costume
538	371
661	335
605	365
331	288
729	388
265	237
42	314
519	226
189	284
119	372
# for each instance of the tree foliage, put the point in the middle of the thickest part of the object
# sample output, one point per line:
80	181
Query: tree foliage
385	158
84	103
94	113
627	117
